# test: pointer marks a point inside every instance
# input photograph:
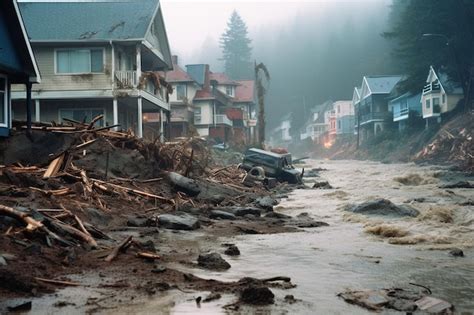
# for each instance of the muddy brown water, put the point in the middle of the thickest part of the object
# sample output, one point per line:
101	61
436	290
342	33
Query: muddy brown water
325	261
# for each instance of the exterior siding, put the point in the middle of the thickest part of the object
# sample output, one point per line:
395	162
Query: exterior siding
51	81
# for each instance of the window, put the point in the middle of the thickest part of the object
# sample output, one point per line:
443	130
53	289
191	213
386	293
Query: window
82	114
78	61
444	98
339	125
181	91
428	104
229	90
3	101
338	109
197	114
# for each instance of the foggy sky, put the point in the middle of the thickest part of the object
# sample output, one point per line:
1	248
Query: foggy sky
194	24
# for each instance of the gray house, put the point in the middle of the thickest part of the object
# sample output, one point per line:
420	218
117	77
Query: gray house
97	58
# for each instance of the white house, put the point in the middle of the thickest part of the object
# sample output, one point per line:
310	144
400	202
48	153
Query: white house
440	95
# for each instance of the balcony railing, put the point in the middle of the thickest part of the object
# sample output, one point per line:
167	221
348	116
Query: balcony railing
433	86
223	119
375	116
126	79
401	112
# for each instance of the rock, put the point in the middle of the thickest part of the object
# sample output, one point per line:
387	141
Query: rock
322	185
178	222
290	299
184	184
456	252
232	250
213	261
243	211
211	297
277	215
23	307
219	214
266	203
255	295
148	245
384	207
461	184
311	224
158	269
137	222
3	261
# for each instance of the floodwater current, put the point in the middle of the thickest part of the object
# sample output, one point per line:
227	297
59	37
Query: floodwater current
347	254
325	261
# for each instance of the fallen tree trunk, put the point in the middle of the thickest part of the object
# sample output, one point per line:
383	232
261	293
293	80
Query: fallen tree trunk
31	224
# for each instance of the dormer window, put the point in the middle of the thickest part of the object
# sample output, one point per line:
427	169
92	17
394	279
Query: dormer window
229	90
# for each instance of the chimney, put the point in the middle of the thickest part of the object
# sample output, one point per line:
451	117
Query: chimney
207	83
174	58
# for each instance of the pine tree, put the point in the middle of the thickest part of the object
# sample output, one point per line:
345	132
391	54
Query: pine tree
450	44
236	49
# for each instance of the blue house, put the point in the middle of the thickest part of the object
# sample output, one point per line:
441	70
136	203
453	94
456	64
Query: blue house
17	62
404	107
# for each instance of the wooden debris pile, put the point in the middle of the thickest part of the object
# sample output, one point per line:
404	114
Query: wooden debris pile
58	193
453	145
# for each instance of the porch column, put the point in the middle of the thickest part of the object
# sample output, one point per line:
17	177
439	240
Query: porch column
28	106
162	131
140	118
168	121
139	62
115	113
37	111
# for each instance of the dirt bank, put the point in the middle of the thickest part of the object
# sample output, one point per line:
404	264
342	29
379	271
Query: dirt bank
449	143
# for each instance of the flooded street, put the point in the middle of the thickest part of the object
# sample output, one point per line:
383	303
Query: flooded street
325	261
328	260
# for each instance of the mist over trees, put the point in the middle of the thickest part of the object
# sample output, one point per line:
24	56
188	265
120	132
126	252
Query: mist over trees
236	50
432	32
323	55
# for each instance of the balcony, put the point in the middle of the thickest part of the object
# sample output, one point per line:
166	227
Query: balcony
126	79
400	114
431	87
223	120
375	116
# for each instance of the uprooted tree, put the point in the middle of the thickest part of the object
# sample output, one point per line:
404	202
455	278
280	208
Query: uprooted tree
261	73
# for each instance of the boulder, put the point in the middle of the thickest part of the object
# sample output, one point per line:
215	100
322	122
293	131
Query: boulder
243	211
184	184
137	222
384	207
232	250
178	222
463	184
266	203
322	185
456	252
257	295
277	215
223	215
213	261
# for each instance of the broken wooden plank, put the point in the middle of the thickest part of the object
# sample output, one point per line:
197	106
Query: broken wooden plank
117	249
59	282
54	166
94	120
146	255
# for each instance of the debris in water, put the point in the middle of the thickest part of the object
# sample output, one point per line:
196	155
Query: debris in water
414	180
386	230
256	295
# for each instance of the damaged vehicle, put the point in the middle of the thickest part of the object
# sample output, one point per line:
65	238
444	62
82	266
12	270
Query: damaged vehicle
275	165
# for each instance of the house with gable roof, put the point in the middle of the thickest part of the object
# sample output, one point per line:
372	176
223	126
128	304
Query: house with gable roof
97	57
372	109
441	94
17	62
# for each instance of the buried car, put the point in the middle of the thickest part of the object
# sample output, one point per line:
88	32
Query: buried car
275	165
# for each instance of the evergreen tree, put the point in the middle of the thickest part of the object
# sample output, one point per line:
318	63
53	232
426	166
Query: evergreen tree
236	49
449	45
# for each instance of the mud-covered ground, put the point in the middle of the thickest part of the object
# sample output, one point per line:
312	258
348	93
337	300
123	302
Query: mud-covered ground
356	251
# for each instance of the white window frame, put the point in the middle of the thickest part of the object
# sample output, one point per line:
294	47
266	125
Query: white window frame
104	112
185	90
231	90
78	48
6	103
